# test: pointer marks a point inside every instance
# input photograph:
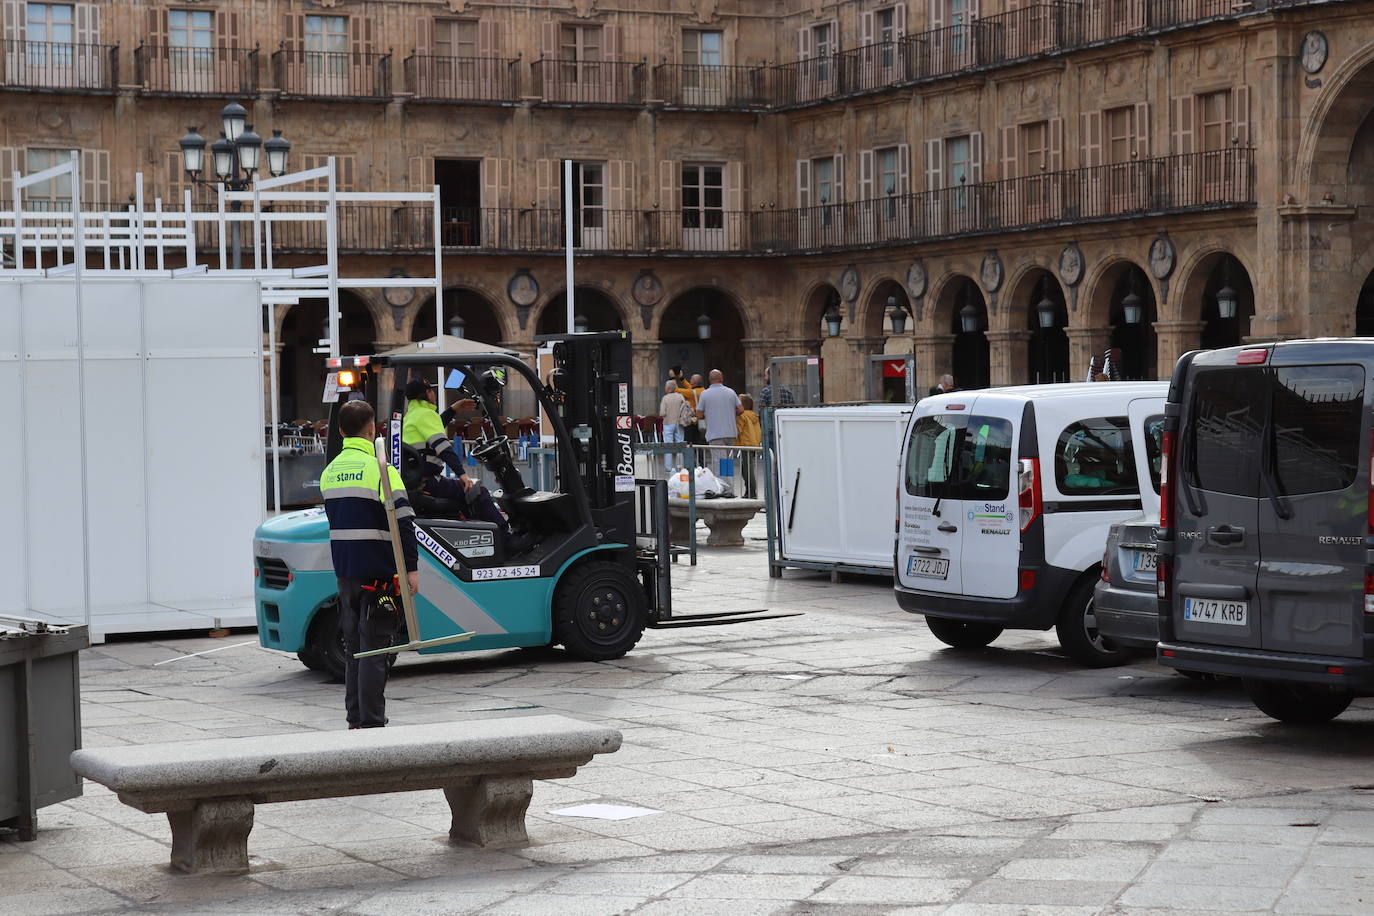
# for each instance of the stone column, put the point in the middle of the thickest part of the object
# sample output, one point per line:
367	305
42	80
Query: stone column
864	347
837	364
648	380
1172	340
934	358
1084	344
1007	353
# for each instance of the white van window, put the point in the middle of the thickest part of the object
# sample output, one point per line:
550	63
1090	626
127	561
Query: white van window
1154	446
1316	423
959	457
1223	439
1094	458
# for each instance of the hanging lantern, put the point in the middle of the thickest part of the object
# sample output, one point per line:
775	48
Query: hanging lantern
703	326
1046	312
832	321
898	314
457	327
579	324
968	318
1226	302
1132	308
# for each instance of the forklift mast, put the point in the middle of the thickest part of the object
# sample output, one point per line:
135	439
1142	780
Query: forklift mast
594	376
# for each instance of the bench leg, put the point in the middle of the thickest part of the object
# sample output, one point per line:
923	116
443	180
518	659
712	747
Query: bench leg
490	810
212	837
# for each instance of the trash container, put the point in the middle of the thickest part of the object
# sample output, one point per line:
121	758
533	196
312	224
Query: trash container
41	726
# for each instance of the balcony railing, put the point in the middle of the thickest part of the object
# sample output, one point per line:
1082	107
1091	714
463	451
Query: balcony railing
1213	179
595	82
219	71
332	74
461	79
694	86
61	65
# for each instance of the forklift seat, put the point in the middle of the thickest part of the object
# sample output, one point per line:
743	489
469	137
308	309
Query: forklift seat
412	468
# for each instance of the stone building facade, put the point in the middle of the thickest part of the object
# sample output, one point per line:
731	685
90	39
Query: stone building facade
1025	184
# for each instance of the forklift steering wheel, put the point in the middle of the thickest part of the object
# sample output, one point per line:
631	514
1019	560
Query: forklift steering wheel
489	446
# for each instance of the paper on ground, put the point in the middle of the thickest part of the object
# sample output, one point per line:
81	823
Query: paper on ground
605	812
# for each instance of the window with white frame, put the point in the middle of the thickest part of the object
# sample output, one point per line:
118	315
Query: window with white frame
885	30
326	45
888	164
455	38
55	193
703	196
191	35
49	30
1121	134
1215	119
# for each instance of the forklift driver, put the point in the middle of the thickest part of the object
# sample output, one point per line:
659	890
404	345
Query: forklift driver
423	430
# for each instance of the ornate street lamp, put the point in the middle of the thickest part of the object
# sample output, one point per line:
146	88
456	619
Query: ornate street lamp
832	320
703	326
898	314
277	149
222	152
968	318
1046	312
1132	308
250	150
235	118
192	152
1226	296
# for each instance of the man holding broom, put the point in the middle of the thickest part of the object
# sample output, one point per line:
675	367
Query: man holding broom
364	560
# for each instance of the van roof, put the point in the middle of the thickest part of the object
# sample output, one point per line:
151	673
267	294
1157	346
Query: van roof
1068	390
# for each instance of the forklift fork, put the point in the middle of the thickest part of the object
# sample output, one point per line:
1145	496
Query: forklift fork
654	554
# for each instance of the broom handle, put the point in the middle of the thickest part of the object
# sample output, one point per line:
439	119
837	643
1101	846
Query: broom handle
398	555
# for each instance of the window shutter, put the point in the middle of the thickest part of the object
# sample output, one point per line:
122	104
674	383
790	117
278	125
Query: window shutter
14	31
157	26
346	172
491	182
546	183
975	155
1009	152
87	23
903	168
293	32
227	29
421	173
803	182
1142	130
839	178
622	179
935	164
937	14
231	71
1090	139
1056	156
866	175
866	36
899	18
9	161
488	38
424	36
360	34
835	42
549	40
804	44
973	11
95	177
610	43
736	190
669	189
1240	104
1183	124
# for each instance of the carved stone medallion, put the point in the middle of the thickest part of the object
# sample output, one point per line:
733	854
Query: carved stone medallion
523	289
849	283
991	272
1314	51
1071	265
916	279
1161	258
647	290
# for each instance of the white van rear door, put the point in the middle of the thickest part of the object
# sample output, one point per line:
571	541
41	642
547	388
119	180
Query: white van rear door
988	509
1147	435
928	532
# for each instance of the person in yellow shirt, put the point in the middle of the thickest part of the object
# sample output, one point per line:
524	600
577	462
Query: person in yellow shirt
751	434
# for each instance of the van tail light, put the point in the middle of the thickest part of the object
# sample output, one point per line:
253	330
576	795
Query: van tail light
1166	480
1369	593
1028	491
1106	574
1370	497
1026	580
1164	578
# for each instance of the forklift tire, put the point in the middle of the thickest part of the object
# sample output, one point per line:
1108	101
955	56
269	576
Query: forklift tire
324	647
1297	704
962	634
598	611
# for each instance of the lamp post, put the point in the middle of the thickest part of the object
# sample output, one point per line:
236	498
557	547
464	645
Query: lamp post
236	159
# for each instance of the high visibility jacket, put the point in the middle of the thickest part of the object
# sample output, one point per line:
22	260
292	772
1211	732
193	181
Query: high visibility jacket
359	539
423	430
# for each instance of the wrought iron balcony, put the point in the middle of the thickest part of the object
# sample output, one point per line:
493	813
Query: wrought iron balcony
181	71
61	65
695	86
1214	179
588	82
332	74
432	78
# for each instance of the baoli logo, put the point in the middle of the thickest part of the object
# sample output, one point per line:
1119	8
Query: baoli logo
626	465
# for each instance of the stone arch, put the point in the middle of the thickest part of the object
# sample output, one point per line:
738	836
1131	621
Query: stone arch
748	318
300	370
1112	282
483	320
814	303
1095	296
873	319
680	338
610	310
1046	348
1329	132
1205	273
941	299
1018	289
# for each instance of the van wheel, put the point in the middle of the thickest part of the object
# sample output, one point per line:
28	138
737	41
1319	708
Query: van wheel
1299	704
1078	634
962	634
598	611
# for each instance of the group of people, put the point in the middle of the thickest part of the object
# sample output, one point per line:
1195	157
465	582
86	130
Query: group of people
713	416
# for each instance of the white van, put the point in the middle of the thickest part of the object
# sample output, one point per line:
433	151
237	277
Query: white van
1004	503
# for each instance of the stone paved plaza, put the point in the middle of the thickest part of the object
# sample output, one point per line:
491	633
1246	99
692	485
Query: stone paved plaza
835	763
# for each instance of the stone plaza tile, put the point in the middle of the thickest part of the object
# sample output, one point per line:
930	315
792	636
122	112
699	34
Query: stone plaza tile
888	891
1082	868
1038	891
750	887
1201	896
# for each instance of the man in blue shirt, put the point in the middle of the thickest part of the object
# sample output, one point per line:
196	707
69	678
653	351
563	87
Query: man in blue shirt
719	406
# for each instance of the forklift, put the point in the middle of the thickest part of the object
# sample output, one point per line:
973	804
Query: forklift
589	565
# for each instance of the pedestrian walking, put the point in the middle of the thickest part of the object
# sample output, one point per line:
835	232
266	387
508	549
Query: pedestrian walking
364	564
781	396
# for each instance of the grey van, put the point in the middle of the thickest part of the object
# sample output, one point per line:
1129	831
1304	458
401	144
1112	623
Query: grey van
1265	546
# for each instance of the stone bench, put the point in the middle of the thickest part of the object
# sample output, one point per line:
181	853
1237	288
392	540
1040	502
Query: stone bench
725	517
208	788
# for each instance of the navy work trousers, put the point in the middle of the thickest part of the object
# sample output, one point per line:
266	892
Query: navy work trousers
364	678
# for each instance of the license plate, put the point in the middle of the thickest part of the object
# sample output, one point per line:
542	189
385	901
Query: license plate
1210	610
927	567
1145	561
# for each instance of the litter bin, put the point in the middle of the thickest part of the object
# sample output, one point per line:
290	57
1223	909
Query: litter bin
41	726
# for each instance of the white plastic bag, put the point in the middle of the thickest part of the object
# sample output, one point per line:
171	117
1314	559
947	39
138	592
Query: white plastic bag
677	484
709	484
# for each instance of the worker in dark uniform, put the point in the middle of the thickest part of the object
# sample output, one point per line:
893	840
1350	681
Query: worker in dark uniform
360	544
423	430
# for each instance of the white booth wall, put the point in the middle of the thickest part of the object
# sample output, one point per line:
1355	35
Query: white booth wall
174	451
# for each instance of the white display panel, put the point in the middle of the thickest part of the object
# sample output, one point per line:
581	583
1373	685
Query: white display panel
173	446
837	479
